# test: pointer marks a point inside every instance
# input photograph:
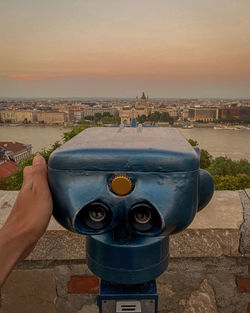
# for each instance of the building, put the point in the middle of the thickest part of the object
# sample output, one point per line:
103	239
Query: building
241	113
184	114
144	101
78	115
172	111
7	116
14	151
16	116
51	117
23	117
7	168
204	114
127	113
69	117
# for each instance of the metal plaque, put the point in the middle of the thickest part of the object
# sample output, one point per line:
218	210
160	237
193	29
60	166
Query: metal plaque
128	306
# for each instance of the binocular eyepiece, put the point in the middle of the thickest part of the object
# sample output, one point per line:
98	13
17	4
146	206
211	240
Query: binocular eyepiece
97	216
143	217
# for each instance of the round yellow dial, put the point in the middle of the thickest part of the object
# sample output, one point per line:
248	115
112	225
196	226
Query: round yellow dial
121	185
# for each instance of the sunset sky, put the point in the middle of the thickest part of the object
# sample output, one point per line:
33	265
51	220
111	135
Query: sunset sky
118	48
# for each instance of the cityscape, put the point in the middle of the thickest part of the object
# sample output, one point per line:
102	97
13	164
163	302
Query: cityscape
217	114
178	112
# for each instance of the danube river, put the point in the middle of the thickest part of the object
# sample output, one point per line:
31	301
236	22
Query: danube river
231	143
40	137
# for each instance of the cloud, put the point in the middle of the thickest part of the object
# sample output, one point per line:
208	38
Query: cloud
42	77
31	77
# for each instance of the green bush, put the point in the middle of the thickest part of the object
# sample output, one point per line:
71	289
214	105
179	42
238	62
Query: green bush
75	131
223	166
229	182
227	174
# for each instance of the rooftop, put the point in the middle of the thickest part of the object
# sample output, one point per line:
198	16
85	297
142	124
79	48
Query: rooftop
12	146
7	168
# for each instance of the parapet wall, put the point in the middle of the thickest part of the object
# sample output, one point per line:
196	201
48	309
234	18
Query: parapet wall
209	270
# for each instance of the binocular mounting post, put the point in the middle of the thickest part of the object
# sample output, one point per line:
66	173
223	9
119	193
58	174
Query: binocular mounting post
142	298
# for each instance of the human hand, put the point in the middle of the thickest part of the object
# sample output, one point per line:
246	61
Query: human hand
28	219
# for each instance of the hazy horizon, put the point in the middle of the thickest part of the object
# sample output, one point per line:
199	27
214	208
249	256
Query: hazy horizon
119	98
92	48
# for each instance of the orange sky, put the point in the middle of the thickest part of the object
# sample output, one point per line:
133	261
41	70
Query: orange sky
63	44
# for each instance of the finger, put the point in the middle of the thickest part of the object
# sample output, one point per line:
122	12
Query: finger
39	172
27	176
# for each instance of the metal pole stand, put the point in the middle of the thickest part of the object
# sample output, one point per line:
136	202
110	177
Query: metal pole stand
142	298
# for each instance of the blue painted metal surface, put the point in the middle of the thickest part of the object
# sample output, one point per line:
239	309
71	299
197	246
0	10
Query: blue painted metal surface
134	261
164	171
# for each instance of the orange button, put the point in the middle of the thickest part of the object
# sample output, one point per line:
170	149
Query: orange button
121	185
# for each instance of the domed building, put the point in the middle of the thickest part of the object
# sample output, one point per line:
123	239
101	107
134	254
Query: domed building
135	110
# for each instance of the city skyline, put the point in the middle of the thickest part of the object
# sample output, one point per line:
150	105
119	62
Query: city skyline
185	49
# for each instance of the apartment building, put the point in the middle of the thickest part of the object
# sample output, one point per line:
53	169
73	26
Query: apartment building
15	151
51	117
16	116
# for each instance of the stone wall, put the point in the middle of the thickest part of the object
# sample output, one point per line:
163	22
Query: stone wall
209	270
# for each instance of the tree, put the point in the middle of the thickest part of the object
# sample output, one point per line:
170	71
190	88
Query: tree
193	142
154	117
225	166
97	117
141	118
171	121
76	130
107	114
206	159
164	117
89	118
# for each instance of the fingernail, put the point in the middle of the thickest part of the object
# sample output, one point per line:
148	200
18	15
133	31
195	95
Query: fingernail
38	159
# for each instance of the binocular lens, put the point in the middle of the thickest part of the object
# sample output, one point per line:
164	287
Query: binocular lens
143	217
97	213
94	216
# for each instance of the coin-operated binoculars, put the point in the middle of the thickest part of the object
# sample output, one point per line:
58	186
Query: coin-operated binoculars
128	189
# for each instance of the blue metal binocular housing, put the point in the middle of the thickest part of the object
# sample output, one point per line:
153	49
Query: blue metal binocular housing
128	189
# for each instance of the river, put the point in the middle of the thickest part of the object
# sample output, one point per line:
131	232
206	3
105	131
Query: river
231	143
39	136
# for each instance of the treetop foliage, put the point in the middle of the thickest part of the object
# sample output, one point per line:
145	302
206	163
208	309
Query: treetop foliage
227	174
156	117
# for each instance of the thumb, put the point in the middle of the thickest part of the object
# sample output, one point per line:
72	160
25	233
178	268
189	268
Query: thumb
27	176
39	172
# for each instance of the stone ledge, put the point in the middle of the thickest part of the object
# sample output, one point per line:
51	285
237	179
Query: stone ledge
245	227
216	231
